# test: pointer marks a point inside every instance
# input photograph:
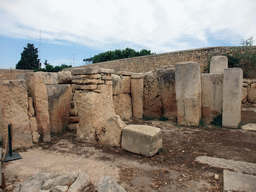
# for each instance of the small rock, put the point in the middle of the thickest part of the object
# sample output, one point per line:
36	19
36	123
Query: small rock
108	184
82	181
216	177
59	189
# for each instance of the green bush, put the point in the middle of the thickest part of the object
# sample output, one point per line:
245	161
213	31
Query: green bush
217	120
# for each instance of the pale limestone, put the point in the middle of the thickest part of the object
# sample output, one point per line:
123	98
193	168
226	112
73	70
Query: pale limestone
218	64
72	112
188	93
123	106
249	126
73	126
232	96
59	97
125	84
252	93
50	78
33	124
73	119
106	77
37	89
142	139
31	110
244	94
152	105
13	110
137	97
93	76
106	71
64	77
212	96
85	71
167	92
36	137
116	84
110	132
84	87
87	81
93	110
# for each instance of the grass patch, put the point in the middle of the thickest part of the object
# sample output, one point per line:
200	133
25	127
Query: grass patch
217	121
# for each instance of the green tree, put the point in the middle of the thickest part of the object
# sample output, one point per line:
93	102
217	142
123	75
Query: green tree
29	58
247	42
119	54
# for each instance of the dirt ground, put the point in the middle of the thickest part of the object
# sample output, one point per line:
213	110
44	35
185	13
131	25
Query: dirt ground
172	169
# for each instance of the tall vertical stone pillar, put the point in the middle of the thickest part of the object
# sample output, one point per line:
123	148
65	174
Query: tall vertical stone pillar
212	96
188	93
137	95
232	94
218	64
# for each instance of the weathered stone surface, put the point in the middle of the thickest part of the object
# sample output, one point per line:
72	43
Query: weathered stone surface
167	92
64	77
188	93
72	112
142	139
59	97
85	71
218	64
60	180
82	181
238	166
116	84
73	119
37	89
252	94
106	77
31	111
36	137
59	188
233	181
13	109
244	94
106	71
84	87
152	105
232	96
137	75
73	126
137	97
249	126
110	132
123	105
125	84
93	76
33	124
93	110
108	184
50	78
212	96
87	81
124	73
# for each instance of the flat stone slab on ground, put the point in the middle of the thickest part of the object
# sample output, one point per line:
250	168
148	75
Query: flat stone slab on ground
249	126
238	182
142	139
238	166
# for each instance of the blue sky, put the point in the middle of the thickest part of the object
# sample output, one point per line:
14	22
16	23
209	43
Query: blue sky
80	29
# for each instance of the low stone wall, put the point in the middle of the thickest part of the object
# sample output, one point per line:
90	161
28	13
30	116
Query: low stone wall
144	64
249	91
11	74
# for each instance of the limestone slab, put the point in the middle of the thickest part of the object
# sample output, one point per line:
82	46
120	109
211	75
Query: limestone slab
233	181
238	166
142	139
123	106
59	97
14	111
116	84
137	97
218	64
232	96
84	87
64	77
249	126
85	71
252	93
212	96
188	93
50	78
125	84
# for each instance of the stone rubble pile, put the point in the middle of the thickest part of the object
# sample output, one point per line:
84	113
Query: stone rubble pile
74	182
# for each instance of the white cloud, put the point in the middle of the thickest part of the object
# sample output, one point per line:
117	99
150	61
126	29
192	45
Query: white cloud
159	25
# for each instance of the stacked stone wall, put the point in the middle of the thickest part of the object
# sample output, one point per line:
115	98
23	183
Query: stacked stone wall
11	74
151	62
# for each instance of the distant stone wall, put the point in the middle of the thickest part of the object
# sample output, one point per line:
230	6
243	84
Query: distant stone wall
147	63
11	74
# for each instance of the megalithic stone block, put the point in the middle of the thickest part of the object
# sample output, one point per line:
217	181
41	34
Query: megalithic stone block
212	96
218	64
188	93
137	95
232	94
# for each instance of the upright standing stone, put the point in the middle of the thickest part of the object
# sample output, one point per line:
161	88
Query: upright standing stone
37	89
14	111
188	93
232	94
137	95
218	64
212	96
